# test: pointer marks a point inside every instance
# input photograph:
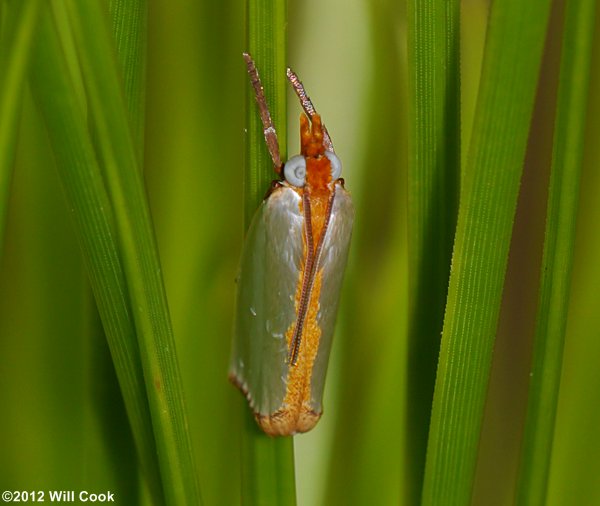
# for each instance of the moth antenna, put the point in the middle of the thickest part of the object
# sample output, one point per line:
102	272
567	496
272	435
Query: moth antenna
265	116
307	105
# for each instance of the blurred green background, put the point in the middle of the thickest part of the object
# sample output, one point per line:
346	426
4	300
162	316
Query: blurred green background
62	422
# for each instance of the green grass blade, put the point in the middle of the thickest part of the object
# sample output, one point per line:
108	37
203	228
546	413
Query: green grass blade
119	158
15	48
267	43
129	24
512	56
433	187
576	442
267	463
557	263
81	178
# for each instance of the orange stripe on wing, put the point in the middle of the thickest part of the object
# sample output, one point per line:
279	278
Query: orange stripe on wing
296	414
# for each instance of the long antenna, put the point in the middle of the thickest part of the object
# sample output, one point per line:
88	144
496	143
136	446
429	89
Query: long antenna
265	116
307	105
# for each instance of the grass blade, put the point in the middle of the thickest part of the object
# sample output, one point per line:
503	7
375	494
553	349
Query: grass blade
511	61
267	43
576	442
16	38
82	181
129	25
267	463
558	252
434	180
139	254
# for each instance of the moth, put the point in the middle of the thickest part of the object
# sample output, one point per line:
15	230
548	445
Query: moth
290	278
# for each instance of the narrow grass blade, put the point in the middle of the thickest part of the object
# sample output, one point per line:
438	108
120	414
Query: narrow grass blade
576	443
267	463
67	127
267	44
433	187
512	57
16	35
576	60
129	25
119	159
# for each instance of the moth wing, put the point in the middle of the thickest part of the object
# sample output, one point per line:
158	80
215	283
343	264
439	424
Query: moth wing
332	263
271	264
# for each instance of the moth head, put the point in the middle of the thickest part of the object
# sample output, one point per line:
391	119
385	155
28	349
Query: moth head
315	166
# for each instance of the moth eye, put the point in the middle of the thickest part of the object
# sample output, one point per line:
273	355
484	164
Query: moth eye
294	170
336	165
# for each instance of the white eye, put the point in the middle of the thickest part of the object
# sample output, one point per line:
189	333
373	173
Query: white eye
294	170
336	165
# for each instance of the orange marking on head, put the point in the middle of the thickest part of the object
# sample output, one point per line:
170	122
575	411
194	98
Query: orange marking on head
318	166
318	174
311	136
